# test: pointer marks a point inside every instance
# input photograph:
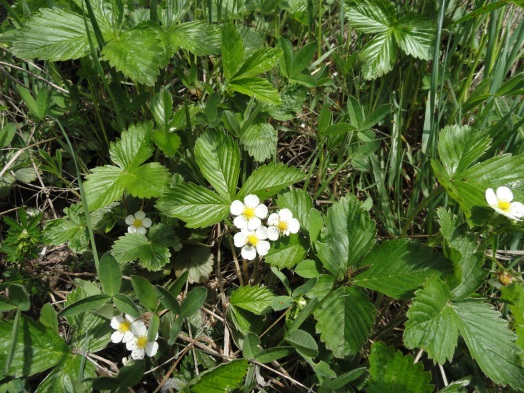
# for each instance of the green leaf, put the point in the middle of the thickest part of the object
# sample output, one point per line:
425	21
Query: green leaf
370	16
38	348
303	342
110	274
146	292
260	140
167	141
261	60
287	251
399	267
132	246
168	300
300	204
62	230
221	379
415	35
125	305
131	375
63	377
197	261
393	372
258	88
85	304
463	250
197	206
193	301
19	296
218	158
146	181
256	299
198	37
232	49
378	56
349	235
162	108
514	293
137	53
6	305
7	133
344	320
134	146
103	186
269	179
28	99
308	268
275	353
432	323
48	317
53	34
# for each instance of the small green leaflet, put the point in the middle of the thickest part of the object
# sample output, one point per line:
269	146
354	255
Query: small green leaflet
256	299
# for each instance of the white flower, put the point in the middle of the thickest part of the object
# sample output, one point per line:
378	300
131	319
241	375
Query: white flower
140	346
127	361
138	222
125	327
252	242
501	203
281	224
249	213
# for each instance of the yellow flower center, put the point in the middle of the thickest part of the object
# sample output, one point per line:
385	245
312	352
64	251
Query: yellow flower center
252	240
249	213
125	326
504	205
141	342
137	223
282	226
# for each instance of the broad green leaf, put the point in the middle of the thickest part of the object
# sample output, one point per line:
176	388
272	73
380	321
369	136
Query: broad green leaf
300	204
399	267
28	99
19	296
465	254
162	108
6	304
62	230
198	37
7	133
432	323
48	317
232	49
349	235
308	268
132	374
197	206
370	16
275	353
137	53
132	246
375	117
134	146
293	98
256	299
218	158
268	180
38	348
245	321
287	251
514	293
193	301
146	181
258	88
110	274
415	35
262	60
250	346
125	305
53	34
167	141
103	186
303	342
146	292
85	304
168	300
378	55
221	379
260	140
63	377
393	372
197	261
303	58
344	320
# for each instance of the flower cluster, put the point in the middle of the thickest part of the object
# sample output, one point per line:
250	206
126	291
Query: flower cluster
253	236
500	201
133	332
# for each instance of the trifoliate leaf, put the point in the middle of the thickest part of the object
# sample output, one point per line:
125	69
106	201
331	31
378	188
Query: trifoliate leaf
198	37
197	206
399	267
256	299
349	235
344	320
135	246
197	261
260	140
393	372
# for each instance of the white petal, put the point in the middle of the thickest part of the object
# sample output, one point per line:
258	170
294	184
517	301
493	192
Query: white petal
272	219
293	225
285	214
151	348
237	208
240	222
254	223
146	222
117	336
139	329
141	230
261	232
130	219
491	198
129	318
138	353
504	213
261	211
116	321
273	233
517	209
504	194
249	252
128	336
131	229
240	239
263	247
131	345
251	201
140	215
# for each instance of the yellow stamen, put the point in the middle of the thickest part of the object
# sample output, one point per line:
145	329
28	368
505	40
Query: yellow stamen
252	240
282	226
504	205
141	342
125	326
137	223
249	213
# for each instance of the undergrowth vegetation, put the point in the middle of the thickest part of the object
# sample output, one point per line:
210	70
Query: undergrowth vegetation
261	196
